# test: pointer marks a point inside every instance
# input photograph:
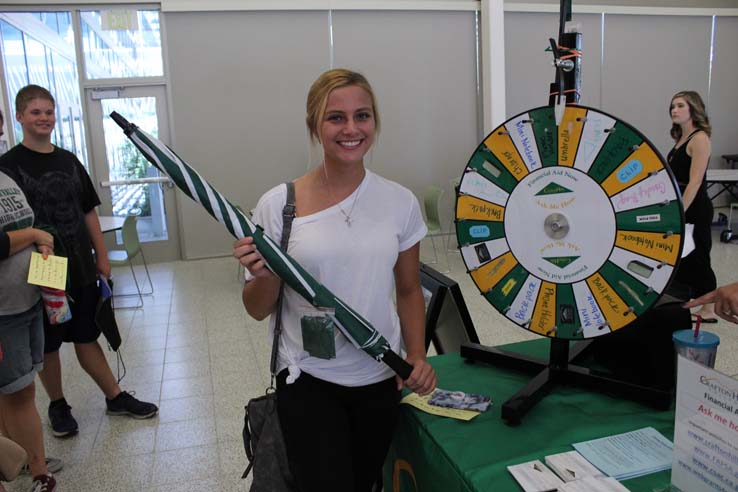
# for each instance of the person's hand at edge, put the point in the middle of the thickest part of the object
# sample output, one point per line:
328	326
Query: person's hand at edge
725	299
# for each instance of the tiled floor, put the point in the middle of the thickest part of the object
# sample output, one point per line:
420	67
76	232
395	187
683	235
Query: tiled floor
194	351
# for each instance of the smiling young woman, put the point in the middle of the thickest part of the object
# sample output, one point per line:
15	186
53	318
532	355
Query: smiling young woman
358	234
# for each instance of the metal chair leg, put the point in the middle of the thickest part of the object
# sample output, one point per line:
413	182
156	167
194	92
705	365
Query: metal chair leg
435	253
148	276
137	294
135	280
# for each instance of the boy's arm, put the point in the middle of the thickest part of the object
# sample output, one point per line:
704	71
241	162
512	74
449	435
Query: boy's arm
96	238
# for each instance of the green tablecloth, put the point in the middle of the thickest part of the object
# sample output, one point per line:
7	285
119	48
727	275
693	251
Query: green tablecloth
446	455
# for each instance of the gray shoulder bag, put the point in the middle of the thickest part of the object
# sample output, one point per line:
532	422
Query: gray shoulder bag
262	434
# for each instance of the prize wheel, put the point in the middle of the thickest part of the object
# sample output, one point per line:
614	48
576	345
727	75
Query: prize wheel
570	231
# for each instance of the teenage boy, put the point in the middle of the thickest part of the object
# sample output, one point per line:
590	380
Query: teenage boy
61	194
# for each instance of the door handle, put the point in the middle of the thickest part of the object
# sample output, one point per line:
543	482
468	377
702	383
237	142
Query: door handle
123	182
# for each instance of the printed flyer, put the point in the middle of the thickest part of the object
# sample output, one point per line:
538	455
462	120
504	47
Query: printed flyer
705	430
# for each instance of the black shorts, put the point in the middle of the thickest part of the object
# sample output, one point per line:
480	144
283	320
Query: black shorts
82	327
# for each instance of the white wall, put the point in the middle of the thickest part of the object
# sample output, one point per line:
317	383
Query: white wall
239	82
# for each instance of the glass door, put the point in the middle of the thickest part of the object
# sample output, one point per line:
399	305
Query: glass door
128	184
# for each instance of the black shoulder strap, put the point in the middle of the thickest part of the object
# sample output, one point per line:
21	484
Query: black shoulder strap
288	213
690	136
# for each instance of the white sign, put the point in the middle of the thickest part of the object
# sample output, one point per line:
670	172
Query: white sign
705	430
119	20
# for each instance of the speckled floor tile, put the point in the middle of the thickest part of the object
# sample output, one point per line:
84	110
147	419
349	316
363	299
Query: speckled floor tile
186	434
185	465
192	407
186	387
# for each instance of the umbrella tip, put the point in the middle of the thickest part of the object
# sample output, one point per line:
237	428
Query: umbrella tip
121	121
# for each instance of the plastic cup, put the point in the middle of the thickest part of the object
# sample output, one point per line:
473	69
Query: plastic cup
56	305
702	348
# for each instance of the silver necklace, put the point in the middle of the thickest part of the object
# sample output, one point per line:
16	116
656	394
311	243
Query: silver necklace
346	216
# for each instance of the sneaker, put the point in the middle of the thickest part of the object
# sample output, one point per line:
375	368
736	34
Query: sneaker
43	483
126	404
62	422
53	464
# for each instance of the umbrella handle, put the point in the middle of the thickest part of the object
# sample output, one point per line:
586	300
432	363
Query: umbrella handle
121	121
399	365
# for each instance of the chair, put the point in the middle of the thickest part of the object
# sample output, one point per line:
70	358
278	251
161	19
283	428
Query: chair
431	204
123	257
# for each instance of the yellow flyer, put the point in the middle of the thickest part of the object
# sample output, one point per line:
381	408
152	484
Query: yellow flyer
421	403
51	272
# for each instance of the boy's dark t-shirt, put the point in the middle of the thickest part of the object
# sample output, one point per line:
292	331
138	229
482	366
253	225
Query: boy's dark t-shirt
60	193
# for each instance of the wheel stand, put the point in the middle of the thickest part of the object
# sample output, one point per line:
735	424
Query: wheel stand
559	369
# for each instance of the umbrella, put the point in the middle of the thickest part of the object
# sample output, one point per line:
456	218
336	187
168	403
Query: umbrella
358	330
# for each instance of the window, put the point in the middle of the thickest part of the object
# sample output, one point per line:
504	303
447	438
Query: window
119	44
38	49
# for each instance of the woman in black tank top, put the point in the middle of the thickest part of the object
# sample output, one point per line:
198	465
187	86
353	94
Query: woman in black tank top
688	160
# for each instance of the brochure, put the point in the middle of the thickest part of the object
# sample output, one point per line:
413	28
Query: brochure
629	455
460	400
421	403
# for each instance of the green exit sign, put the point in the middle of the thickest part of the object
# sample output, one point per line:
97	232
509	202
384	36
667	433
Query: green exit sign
119	20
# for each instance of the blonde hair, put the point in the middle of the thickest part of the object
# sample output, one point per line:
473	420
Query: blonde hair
697	112
317	99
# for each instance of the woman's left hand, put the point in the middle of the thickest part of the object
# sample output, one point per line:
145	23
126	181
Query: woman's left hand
423	378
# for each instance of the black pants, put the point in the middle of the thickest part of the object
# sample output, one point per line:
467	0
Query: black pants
336	436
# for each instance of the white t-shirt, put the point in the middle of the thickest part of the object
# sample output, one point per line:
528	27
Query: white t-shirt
355	263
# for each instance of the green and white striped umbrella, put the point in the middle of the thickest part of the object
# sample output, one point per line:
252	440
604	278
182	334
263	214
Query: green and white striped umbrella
358	330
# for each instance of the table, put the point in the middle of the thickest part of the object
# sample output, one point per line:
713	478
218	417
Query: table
111	223
434	454
726	179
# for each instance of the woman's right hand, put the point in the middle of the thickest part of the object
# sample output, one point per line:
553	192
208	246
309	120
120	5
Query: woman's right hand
244	250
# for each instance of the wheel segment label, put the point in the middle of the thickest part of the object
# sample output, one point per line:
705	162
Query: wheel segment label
488	275
502	146
651	244
570	130
469	207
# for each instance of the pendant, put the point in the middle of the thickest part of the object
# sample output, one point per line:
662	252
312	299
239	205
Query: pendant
348	221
